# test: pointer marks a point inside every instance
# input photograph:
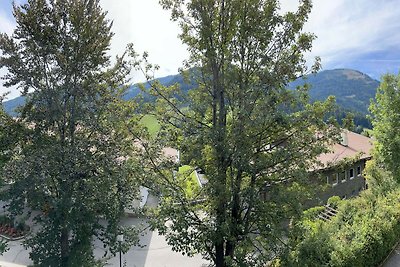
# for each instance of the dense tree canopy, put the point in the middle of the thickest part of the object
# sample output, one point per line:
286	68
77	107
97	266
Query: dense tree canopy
250	135
362	233
386	124
74	163
365	228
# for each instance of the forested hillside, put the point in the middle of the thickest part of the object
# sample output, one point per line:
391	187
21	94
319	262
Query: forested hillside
352	89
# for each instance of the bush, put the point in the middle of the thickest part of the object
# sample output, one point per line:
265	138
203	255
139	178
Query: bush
334	201
362	234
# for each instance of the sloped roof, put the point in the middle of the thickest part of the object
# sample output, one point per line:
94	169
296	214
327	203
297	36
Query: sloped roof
357	144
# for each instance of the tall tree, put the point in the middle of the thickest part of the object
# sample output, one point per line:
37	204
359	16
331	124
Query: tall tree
74	161
250	135
386	125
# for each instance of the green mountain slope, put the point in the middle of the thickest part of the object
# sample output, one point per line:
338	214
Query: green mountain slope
352	89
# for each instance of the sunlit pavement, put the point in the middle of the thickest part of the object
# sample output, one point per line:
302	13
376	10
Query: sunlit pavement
155	253
7	264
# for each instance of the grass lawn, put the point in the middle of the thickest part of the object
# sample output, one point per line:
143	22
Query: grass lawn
151	123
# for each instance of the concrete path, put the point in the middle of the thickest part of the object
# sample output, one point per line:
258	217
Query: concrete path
394	258
7	264
154	253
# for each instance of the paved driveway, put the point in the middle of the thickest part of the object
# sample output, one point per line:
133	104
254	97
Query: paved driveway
156	253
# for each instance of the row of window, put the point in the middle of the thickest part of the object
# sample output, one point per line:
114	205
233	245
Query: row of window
353	193
343	176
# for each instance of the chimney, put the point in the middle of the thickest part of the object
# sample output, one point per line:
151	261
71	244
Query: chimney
344	141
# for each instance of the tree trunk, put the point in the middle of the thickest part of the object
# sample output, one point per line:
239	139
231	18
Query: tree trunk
235	217
64	246
220	183
219	254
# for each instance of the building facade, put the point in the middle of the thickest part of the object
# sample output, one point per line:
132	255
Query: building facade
342	168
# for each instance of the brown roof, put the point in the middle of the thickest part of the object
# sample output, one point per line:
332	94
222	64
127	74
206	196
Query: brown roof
356	145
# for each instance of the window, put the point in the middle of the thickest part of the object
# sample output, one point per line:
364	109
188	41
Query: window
358	170
334	177
342	176
351	173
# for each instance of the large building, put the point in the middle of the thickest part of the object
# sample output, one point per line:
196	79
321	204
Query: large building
342	168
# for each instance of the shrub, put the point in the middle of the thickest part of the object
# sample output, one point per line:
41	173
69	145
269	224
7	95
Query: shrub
334	201
362	234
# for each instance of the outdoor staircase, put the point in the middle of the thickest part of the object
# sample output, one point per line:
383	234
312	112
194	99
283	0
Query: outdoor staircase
328	213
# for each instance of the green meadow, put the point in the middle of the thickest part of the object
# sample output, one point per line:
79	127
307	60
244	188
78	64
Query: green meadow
151	123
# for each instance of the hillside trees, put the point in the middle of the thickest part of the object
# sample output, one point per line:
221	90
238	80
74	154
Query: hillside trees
247	132
74	162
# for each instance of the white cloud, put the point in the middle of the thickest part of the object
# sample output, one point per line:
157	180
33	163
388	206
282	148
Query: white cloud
143	23
148	27
347	29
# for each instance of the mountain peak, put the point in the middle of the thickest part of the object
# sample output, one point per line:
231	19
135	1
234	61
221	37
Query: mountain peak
352	88
350	74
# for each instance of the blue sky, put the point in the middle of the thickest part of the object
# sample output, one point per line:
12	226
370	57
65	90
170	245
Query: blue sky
358	34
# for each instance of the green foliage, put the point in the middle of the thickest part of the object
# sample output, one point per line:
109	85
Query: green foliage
241	125
362	234
360	120
380	181
348	122
385	119
365	228
313	212
352	94
187	178
334	201
6	220
10	133
75	160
